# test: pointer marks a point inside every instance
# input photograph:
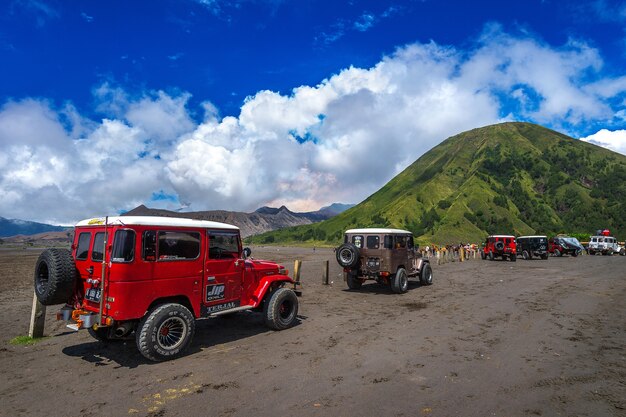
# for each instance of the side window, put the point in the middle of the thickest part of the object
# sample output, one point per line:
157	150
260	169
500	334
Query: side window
97	249
123	246
373	242
388	242
409	242
82	250
149	246
174	245
357	241
223	245
400	242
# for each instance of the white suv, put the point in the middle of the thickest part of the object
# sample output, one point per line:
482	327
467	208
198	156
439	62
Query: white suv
606	245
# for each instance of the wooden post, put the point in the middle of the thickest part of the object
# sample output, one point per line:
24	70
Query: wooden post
37	318
325	272
461	254
296	270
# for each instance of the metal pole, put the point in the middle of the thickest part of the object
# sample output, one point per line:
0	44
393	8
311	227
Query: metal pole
104	262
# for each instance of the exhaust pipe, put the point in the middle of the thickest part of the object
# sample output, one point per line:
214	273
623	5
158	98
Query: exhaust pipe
123	329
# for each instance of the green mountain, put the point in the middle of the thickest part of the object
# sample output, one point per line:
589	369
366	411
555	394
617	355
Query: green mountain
516	178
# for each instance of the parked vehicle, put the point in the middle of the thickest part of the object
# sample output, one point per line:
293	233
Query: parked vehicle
154	276
532	246
606	245
502	246
564	245
387	256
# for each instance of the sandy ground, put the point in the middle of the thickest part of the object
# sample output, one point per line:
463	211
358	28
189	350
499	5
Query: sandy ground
530	338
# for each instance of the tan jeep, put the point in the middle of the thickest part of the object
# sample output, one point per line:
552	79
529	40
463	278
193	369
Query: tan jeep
387	256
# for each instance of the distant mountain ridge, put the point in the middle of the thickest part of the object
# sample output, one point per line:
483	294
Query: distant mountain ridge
515	178
13	227
262	220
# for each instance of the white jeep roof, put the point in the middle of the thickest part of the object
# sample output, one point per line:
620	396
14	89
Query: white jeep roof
521	237
156	221
378	230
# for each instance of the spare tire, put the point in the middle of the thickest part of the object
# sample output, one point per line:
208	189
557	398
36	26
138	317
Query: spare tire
499	246
347	255
55	274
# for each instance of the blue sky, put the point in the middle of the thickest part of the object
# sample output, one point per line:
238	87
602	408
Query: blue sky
213	104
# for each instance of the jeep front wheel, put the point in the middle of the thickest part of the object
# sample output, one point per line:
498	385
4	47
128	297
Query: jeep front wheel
281	309
557	252
348	255
426	275
166	332
400	282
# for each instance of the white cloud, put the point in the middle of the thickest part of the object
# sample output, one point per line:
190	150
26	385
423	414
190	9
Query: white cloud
340	140
614	140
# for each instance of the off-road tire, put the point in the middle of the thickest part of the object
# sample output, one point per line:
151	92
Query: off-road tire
165	332
575	253
55	276
557	253
400	281
490	256
347	255
482	255
426	274
354	283
544	256
525	255
513	258
499	246
281	309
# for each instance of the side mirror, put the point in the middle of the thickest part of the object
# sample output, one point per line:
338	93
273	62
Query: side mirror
246	252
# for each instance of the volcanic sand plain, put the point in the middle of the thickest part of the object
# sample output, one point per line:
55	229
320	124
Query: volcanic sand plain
525	338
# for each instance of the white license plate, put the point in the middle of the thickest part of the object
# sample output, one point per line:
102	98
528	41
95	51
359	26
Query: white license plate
93	294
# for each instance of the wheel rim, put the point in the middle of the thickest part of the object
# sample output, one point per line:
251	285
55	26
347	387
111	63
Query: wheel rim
404	282
42	278
171	333
346	256
285	310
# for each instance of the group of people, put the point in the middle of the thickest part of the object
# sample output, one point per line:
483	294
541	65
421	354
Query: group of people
431	250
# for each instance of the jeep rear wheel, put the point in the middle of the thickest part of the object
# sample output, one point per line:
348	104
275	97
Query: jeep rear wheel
281	309
490	256
348	255
525	255
513	258
55	274
426	275
165	332
400	282
354	283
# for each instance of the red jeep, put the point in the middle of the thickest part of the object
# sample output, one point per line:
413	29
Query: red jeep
502	246
154	276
